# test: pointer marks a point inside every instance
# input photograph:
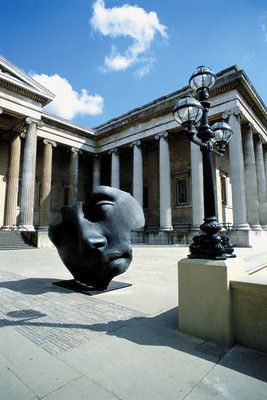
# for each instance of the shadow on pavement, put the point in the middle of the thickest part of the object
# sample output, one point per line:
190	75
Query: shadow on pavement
159	330
32	286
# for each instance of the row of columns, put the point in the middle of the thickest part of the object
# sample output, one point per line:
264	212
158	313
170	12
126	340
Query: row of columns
165	205
27	192
248	175
248	165
164	177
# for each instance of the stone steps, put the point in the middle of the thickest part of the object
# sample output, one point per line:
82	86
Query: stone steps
13	241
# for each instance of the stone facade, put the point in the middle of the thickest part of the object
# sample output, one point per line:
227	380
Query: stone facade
47	162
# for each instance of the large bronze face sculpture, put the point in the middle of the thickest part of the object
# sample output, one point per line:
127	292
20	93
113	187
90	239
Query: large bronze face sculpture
93	239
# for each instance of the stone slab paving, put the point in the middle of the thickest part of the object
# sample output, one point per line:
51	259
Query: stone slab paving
56	344
54	318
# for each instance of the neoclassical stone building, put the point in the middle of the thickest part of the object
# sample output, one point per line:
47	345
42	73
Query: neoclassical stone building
47	162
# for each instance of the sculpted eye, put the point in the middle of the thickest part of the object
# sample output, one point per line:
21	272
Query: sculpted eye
104	205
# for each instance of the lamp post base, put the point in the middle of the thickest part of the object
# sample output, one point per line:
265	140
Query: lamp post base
211	244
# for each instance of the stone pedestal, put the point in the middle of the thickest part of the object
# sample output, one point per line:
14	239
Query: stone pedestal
205	308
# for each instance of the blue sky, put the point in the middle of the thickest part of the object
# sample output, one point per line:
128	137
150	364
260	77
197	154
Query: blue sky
106	57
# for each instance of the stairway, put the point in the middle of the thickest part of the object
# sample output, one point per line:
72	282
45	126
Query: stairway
13	241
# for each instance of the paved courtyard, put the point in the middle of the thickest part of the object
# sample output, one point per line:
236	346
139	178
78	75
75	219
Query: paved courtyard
123	344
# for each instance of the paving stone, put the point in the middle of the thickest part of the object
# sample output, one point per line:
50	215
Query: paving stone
123	343
241	374
4	362
37	369
11	387
144	362
56	319
81	389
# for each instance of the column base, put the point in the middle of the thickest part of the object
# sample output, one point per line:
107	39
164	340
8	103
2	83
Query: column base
42	228
166	228
26	228
256	227
241	227
264	227
6	227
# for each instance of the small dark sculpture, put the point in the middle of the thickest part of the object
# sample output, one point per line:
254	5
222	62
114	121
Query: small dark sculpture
94	239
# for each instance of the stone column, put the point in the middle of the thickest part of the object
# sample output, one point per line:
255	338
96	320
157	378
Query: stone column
164	183
45	192
96	171
10	217
264	148
251	186
197	185
262	191
137	172
28	175
237	173
115	168
73	175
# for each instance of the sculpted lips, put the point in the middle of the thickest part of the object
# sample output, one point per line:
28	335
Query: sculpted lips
117	255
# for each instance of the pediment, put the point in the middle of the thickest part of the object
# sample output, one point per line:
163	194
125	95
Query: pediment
14	79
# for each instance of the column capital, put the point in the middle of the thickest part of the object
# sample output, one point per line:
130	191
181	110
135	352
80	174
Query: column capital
164	134
97	155
47	141
115	150
38	122
75	150
249	126
136	143
258	137
233	111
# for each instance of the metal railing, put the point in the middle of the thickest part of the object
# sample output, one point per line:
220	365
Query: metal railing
185	227
17	228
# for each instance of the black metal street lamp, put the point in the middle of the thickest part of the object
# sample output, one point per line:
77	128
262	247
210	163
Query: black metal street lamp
193	115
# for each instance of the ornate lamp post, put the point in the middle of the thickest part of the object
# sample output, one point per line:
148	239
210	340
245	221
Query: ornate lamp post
193	116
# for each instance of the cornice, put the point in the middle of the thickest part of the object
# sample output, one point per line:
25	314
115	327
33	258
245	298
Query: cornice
233	79
67	126
22	91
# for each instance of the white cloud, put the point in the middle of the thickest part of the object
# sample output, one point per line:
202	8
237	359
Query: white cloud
130	22
68	103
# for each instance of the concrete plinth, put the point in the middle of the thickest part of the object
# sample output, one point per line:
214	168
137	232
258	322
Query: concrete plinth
43	241
248	238
205	308
249	295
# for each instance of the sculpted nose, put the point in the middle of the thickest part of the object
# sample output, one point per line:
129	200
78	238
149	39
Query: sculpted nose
97	242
